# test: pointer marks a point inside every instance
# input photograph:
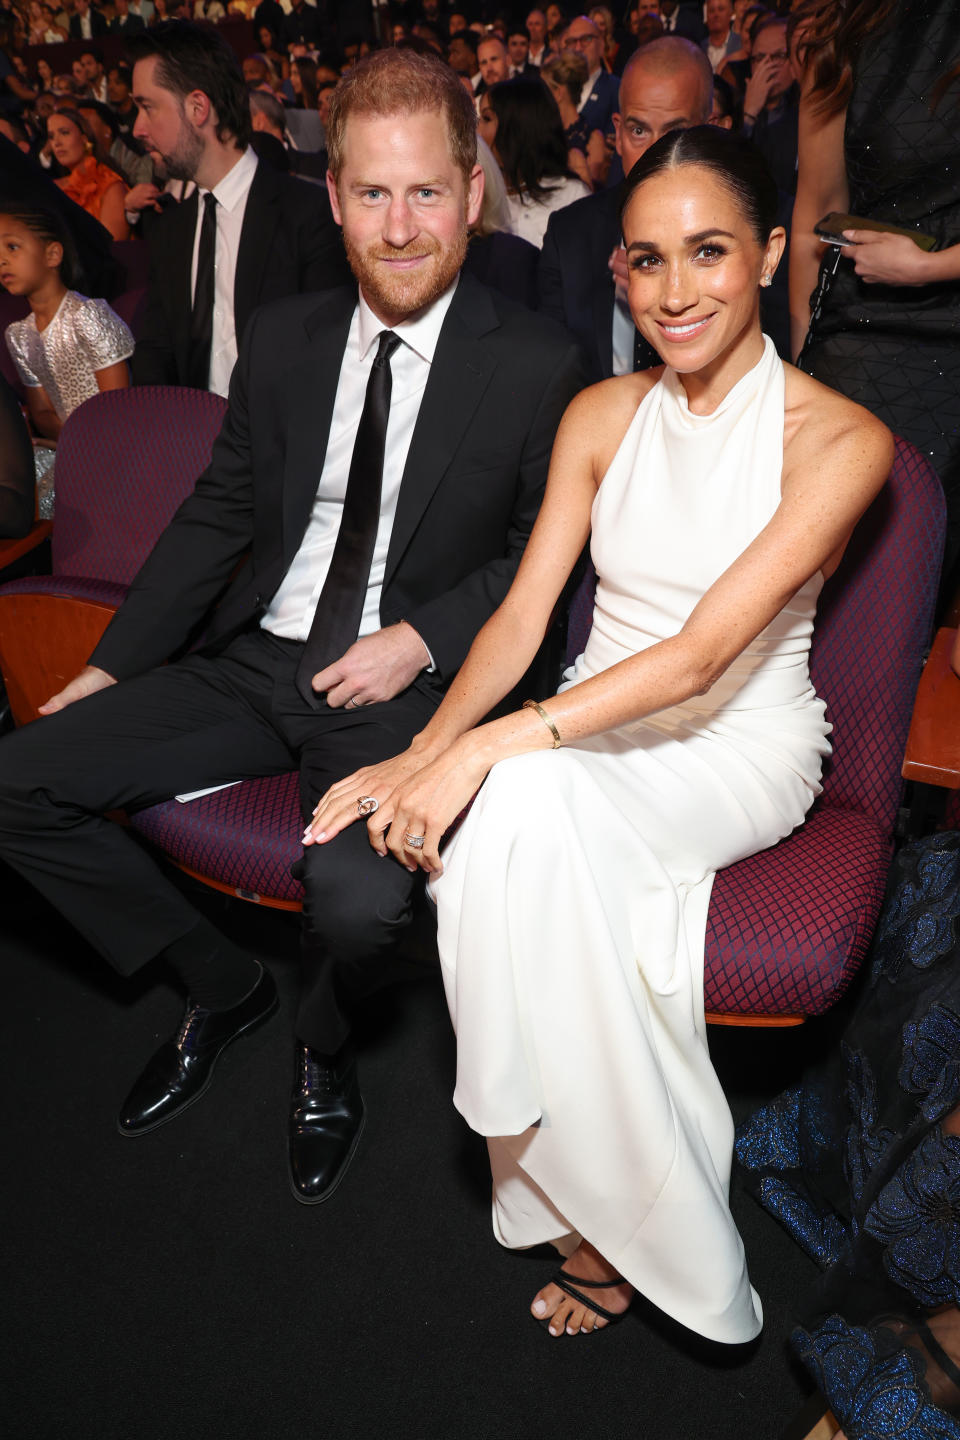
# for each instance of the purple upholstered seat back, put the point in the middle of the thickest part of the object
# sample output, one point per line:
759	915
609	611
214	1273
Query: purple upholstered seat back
125	461
872	624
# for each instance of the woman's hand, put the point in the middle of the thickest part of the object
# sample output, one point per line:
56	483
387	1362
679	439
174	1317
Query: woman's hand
426	806
884	259
338	808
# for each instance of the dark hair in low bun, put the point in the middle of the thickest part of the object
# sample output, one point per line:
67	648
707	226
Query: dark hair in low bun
736	163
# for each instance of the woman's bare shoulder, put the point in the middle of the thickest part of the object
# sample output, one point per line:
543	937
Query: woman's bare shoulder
599	417
822	426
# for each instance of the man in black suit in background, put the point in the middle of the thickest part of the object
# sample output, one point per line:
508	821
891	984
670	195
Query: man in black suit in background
667	85
368	500
86	23
270	235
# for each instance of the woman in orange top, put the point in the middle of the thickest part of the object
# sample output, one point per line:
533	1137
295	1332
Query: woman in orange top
94	186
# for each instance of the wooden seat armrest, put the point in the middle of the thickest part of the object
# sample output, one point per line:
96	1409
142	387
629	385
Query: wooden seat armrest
933	744
45	640
11	550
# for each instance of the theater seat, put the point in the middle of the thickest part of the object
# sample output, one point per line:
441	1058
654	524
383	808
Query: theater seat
125	460
787	928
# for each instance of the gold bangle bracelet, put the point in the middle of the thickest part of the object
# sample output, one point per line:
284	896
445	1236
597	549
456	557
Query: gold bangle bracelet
535	705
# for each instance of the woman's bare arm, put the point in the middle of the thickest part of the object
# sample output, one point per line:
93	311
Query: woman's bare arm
113	377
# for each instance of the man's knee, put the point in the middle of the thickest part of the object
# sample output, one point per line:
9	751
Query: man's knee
354	907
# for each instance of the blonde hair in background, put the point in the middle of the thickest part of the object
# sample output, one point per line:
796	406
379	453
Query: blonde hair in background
402	82
495	213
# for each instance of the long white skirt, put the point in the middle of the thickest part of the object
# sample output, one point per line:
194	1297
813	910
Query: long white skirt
572	914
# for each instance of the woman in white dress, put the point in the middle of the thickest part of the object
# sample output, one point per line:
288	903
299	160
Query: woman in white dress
572	906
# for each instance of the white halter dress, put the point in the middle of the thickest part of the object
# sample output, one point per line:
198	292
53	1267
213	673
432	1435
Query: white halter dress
573	904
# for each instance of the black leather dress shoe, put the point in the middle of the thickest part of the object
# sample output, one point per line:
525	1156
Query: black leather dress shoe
326	1121
182	1069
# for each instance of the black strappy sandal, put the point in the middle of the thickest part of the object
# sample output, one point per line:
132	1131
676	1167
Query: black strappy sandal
568	1283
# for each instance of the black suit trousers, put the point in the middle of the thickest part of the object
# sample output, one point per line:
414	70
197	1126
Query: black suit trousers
206	721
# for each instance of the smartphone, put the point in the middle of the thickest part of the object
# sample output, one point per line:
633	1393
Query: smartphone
830	229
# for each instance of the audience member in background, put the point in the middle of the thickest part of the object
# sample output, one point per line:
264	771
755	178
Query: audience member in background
771	102
210	10
726	112
886	328
68	348
78	73
271	140
269	235
683	20
518	50
89	182
303	25
598	101
736	67
587	155
94	74
721	40
494	62
17	474
495	255
133	166
310	661
303	82
14	94
556	17
666	85
271	51
44	73
613	45
120	98
124	22
462	56
537	33
85	22
521	124
324	96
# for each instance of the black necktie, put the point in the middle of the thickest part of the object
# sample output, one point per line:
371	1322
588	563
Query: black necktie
340	607
201	317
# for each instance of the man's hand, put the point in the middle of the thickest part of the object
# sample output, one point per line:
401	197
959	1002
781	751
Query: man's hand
375	668
758	88
885	259
617	265
141	197
88	682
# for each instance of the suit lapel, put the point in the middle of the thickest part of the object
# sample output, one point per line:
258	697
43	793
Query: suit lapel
256	238
310	385
459	375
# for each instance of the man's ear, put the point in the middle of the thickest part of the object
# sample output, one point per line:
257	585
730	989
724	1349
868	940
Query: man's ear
334	198
198	109
475	195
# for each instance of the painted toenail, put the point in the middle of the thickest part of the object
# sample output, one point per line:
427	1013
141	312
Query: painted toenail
539	1306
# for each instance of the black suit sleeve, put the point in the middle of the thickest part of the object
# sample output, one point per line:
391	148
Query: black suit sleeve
195	557
448	624
322	259
550	277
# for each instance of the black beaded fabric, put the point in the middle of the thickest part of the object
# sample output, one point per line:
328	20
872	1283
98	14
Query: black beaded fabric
896	349
857	1165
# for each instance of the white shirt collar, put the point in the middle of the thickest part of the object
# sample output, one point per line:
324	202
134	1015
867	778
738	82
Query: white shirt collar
234	186
592	79
421	333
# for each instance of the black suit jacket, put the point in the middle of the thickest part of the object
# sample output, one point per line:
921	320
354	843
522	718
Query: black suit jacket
576	286
98	25
289	245
472	485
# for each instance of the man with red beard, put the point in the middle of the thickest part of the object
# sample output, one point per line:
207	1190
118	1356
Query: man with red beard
369	498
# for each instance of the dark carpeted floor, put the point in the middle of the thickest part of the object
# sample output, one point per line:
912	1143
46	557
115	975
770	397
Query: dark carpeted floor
170	1285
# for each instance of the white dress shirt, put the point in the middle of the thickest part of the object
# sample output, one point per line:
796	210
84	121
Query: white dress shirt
291	611
231	195
587	90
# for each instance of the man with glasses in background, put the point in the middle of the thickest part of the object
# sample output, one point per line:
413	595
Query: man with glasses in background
598	98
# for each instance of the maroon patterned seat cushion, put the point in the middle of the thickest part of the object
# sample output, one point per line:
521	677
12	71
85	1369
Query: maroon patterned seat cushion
246	837
71	587
787	928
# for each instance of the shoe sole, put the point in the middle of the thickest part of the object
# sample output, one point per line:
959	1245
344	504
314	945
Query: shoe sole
181	1109
319	1199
